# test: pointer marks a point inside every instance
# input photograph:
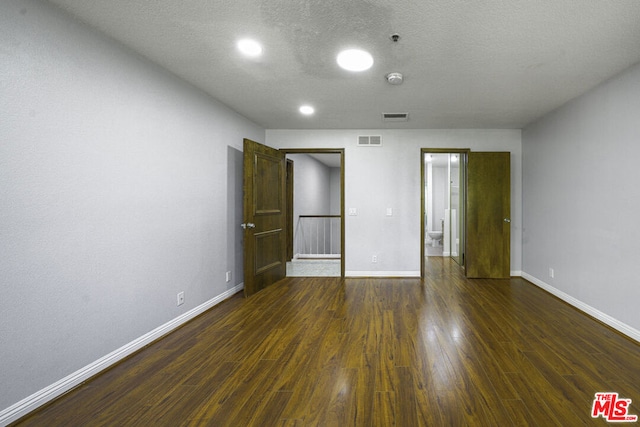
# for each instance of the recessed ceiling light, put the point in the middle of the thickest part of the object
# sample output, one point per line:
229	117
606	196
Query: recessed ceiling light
249	47
355	60
307	110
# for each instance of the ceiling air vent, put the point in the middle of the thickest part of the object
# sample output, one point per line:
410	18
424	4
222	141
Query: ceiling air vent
395	117
370	141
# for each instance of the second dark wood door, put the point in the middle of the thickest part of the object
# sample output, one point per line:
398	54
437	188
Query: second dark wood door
488	215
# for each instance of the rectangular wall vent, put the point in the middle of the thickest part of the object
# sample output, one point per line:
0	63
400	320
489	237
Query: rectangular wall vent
370	141
395	117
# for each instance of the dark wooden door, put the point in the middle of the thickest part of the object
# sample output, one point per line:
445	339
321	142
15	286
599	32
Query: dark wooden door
488	215
289	222
264	216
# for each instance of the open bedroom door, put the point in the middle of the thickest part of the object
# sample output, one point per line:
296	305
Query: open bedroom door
264	216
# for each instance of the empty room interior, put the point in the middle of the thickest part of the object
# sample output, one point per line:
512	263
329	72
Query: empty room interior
322	212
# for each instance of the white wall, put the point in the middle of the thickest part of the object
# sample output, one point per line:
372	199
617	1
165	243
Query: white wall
581	208
440	188
384	177
118	188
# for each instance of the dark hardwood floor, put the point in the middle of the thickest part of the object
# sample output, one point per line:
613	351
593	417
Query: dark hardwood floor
368	352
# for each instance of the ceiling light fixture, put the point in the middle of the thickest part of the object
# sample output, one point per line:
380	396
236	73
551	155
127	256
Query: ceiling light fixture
307	110
355	60
250	47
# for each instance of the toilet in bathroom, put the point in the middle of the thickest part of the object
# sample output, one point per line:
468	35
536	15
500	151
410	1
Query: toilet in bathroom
436	237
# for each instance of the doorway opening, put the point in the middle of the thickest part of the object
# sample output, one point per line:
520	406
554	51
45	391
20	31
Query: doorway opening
315	212
443	204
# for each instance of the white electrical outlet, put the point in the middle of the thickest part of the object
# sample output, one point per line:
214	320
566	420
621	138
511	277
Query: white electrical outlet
228	276
551	273
374	258
180	298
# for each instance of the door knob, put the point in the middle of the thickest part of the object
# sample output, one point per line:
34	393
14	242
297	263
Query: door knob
507	220
248	225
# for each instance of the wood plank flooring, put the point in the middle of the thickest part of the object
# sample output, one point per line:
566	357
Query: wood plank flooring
445	351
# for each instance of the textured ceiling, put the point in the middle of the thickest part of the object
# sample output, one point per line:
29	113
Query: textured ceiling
467	64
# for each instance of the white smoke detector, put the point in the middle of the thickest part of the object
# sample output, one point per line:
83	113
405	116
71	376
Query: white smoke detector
394	78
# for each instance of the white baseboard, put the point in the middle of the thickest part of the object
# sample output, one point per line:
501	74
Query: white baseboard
595	313
382	273
47	394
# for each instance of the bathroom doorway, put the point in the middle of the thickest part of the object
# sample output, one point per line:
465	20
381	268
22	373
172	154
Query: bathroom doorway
443	203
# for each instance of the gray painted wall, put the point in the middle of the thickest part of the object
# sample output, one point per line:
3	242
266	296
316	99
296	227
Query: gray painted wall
384	177
334	202
581	204
311	186
118	188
